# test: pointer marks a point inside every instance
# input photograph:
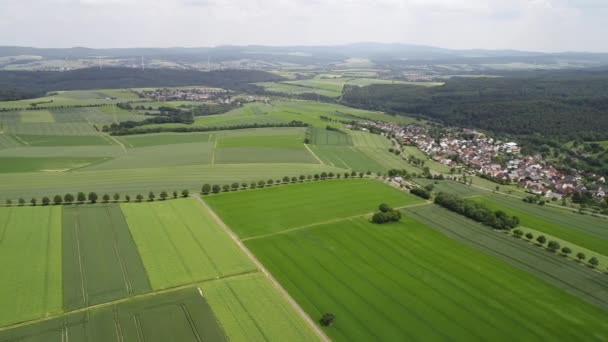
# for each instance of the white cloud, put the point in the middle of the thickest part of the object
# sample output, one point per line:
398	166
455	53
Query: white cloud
520	24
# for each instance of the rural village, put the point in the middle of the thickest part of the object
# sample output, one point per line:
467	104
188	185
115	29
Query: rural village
501	162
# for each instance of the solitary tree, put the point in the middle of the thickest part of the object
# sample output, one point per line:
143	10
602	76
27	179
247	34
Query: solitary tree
81	197
553	246
518	233
163	195
327	319
323	175
206	189
57	199
185	193
235	186
128	198
361	174
308	177
216	189
541	239
175	194
244	185
269	182
580	256
226	187
151	196
384	208
116	197
302	178
9	202
139	197
294	179
317	176
594	262
261	184
93	197
285	179
33	201
353	174
253	185
529	236
566	250
346	174
68	198
21	201
46	200
105	198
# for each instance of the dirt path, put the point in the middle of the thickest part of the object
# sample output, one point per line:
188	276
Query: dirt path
314	155
262	269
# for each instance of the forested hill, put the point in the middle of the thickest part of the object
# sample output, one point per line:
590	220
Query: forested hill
561	104
15	85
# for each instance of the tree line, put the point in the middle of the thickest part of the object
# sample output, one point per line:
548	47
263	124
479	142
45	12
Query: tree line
477	211
130	127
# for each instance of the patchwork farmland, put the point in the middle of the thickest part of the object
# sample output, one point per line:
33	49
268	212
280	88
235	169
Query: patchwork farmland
230	229
330	258
117	272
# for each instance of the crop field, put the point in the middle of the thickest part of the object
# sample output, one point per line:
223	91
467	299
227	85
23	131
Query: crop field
180	243
48	164
30	250
100	260
249	308
263	155
347	157
273	210
181	315
586	231
320	136
404	281
74	98
558	271
159	156
147	140
369	140
36	116
65	140
134	181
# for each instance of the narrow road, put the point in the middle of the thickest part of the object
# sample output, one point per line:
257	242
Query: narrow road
262	269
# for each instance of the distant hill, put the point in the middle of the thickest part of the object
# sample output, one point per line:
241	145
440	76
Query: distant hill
379	53
16	85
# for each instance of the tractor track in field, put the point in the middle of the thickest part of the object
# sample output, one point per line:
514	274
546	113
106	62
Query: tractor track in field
266	273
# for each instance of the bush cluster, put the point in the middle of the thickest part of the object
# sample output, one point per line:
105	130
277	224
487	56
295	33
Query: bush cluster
386	214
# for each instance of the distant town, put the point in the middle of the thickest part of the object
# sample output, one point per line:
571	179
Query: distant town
498	161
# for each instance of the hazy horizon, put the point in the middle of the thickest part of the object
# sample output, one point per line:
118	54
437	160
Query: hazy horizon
530	25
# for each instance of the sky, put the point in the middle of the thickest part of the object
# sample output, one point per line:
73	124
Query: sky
533	25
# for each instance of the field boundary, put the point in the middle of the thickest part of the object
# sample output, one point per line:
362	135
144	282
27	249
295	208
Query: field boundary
312	225
264	271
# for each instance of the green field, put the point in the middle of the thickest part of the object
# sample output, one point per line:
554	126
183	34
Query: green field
36	116
100	260
74	98
147	140
273	210
181	315
585	231
560	272
320	136
348	157
134	181
49	164
180	243
405	281
65	140
30	250
250	309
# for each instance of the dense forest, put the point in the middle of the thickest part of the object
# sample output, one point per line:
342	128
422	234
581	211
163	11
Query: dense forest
17	85
564	105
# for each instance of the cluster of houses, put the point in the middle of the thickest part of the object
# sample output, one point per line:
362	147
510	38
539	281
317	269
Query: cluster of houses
499	161
183	94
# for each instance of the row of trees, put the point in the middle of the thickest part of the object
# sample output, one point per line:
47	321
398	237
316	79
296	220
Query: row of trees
216	188
555	246
93	198
130	127
477	211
